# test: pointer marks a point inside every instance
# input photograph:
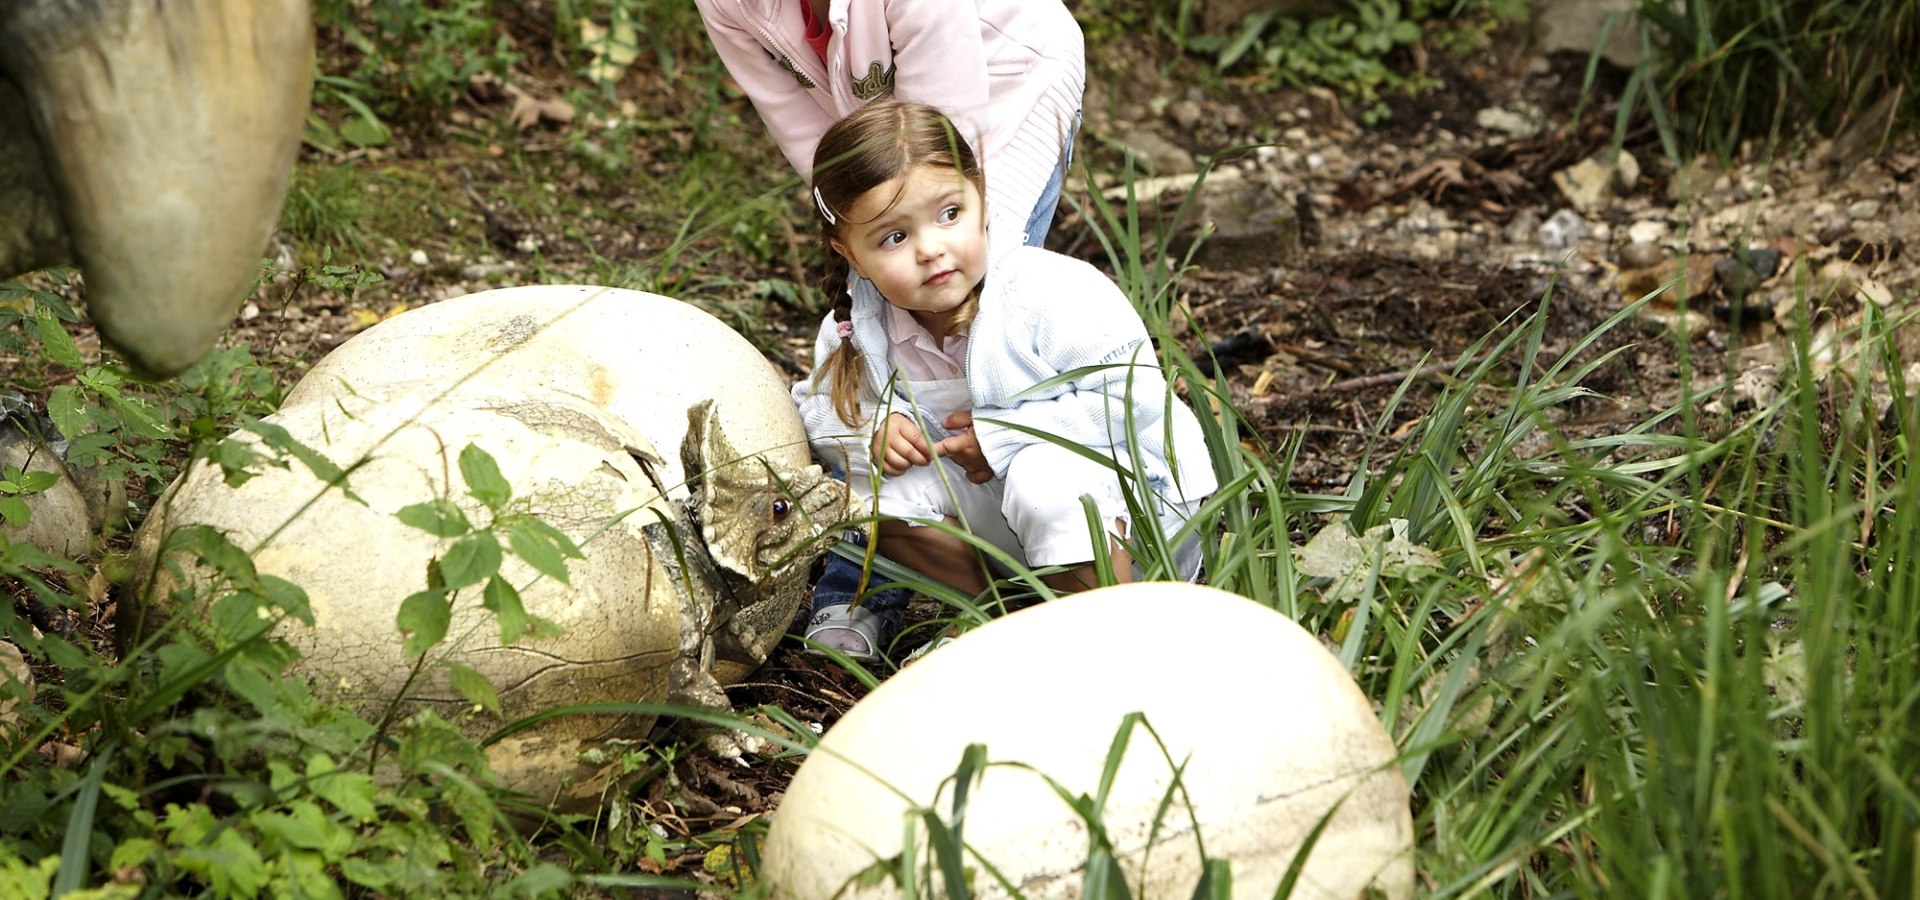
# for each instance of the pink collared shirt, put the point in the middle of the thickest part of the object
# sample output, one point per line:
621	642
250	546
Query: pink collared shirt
918	354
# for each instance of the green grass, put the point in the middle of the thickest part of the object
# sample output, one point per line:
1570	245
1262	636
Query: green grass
1780	71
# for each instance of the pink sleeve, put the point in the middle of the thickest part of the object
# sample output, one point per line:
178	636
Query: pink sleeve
940	60
792	115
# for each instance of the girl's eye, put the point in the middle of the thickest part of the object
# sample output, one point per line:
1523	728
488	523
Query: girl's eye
893	239
950	213
781	508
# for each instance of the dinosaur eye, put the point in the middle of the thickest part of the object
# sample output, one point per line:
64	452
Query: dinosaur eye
781	508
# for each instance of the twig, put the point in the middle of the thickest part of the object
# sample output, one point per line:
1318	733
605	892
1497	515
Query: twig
1369	381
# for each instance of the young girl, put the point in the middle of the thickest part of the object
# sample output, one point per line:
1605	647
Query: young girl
1010	72
945	363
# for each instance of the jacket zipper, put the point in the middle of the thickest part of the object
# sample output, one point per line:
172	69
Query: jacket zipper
786	52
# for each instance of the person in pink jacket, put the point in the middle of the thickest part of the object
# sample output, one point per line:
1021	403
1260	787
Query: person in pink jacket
1009	73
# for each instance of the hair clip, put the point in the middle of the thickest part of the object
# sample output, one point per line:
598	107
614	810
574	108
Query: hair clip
844	329
822	203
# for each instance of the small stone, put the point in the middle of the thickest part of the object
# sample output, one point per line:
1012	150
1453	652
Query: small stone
1649	231
1765	261
1561	230
418	257
1641	255
1863	209
1833	232
1185	114
1691	181
1506	121
1159	155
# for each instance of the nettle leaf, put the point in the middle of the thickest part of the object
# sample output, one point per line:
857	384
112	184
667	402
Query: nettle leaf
533	541
349	791
59	345
305	827
67	407
423	618
282	441
473	686
289	597
471	560
1346	559
438	517
503	601
483	477
234	458
136	417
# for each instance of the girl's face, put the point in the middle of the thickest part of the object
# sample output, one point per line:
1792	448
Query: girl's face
921	239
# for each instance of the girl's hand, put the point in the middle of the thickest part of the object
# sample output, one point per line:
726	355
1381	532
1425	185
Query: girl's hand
964	448
900	445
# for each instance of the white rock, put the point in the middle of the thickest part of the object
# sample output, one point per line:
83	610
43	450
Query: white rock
1561	230
1647	231
57	517
418	257
1048	687
1507	121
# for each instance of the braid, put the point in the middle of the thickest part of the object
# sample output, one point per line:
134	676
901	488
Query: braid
843	364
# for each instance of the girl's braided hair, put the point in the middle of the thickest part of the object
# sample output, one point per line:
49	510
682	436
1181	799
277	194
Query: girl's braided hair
876	144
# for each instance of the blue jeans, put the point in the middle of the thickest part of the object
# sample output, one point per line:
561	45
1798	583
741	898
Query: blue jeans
840	581
1043	210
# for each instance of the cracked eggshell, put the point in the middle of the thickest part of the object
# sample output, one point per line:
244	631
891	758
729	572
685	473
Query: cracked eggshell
644	358
1272	729
566	462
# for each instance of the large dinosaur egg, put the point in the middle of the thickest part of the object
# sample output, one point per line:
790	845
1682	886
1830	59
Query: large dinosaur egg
643	358
1272	732
573	467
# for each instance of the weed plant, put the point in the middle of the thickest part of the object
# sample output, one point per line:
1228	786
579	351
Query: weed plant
1725	72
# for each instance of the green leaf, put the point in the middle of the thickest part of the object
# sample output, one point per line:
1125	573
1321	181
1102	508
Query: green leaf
471	560
67	407
306	827
348	791
542	880
533	542
473	686
59	344
62	652
14	511
483	477
503	601
135	417
283	441
36	481
233	458
440	518
423	618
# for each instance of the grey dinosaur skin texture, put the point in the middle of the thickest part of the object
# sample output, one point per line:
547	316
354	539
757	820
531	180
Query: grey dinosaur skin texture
150	143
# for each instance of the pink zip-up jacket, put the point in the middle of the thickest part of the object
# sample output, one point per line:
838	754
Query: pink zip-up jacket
1010	73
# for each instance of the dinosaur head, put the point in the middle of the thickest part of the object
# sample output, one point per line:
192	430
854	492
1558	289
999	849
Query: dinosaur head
759	521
